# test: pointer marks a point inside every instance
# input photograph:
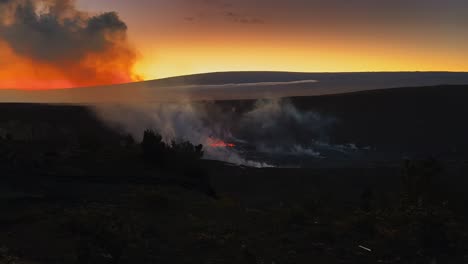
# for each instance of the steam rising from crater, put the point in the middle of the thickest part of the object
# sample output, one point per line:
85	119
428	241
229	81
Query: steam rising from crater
268	127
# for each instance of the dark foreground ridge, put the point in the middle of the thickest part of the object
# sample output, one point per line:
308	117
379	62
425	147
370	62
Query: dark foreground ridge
74	191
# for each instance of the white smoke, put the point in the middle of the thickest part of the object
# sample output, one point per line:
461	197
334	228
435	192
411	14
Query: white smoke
280	124
174	121
294	150
269	127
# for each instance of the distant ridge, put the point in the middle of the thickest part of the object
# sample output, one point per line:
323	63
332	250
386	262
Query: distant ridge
216	78
238	85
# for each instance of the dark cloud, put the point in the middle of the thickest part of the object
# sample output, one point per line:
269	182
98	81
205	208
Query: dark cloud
62	33
240	18
221	8
189	19
450	15
55	33
222	4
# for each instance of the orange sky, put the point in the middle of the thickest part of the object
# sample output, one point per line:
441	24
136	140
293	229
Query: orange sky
178	37
182	37
197	56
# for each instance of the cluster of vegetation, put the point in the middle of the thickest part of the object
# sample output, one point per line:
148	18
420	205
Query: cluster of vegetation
169	155
6	257
103	236
424	223
181	159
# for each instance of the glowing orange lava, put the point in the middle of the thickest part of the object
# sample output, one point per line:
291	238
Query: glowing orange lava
218	143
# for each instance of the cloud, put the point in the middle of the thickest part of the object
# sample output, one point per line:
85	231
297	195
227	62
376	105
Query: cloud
243	19
190	19
210	9
80	48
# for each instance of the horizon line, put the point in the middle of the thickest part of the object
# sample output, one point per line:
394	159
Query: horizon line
218	72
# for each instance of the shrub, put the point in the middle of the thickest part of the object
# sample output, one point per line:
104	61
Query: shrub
152	145
128	140
103	235
187	151
173	155
6	257
181	159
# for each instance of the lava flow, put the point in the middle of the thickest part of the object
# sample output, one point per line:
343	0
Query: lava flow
218	143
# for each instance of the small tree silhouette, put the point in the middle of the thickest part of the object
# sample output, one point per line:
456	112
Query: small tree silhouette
128	140
180	158
187	151
152	145
173	155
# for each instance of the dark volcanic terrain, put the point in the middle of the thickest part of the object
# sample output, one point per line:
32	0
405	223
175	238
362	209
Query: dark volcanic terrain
75	190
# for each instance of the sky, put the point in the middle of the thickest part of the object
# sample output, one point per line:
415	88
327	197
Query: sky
131	40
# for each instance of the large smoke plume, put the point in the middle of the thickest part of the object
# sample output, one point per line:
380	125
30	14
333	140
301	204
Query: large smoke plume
51	44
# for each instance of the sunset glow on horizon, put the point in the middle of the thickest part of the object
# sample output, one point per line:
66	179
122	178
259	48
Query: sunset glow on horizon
146	40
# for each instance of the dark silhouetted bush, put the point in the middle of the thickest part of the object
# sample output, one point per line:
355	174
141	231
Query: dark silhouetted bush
6	257
128	140
153	147
173	155
103	236
187	151
90	142
181	159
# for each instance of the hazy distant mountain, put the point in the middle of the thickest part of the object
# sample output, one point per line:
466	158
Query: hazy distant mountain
217	78
238	85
